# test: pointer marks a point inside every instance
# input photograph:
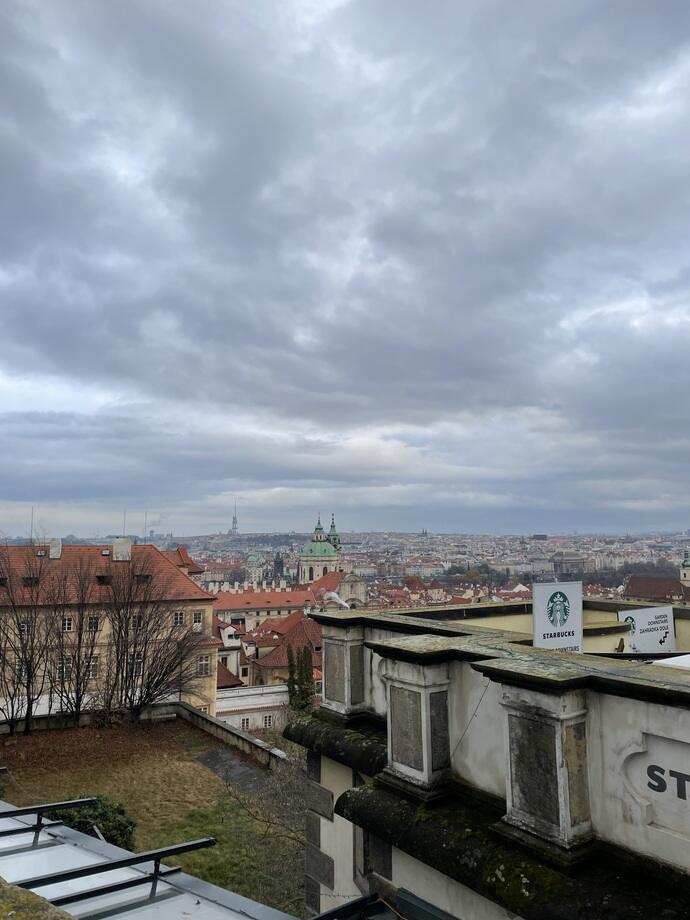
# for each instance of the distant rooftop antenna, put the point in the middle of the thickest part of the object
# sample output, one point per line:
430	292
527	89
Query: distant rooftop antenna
31	528
124	522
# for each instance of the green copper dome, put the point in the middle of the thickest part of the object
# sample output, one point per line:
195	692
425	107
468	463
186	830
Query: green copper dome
319	550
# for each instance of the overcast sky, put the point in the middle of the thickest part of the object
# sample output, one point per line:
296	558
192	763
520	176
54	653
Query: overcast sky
421	264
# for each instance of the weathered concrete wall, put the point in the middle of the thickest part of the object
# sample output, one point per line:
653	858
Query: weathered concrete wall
682	627
260	751
374	687
643	811
522	622
337	838
443	892
479	757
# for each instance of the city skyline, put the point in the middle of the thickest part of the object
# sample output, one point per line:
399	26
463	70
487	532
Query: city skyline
359	256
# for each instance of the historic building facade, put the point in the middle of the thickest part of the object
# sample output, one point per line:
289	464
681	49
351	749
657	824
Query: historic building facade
458	769
320	555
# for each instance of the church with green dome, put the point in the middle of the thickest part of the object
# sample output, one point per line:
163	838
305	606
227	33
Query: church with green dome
321	554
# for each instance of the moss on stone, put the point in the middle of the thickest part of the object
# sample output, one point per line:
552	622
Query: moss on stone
362	749
17	904
456	838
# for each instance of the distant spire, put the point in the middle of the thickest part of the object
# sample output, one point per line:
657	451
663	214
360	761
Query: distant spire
333	537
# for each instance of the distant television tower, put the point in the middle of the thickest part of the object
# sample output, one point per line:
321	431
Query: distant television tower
234	530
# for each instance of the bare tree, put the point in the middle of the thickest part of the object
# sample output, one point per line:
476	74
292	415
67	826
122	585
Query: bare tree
12	697
152	655
275	838
27	620
76	626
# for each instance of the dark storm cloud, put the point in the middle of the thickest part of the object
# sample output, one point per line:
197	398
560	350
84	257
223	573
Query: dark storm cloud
399	256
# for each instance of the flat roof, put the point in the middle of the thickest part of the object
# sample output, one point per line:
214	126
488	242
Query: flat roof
26	855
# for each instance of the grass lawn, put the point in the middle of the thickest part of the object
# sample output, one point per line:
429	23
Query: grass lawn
153	771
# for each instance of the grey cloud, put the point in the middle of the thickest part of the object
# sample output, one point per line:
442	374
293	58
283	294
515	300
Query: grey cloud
373	218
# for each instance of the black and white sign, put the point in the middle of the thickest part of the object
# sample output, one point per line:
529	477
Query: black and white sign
557	616
652	629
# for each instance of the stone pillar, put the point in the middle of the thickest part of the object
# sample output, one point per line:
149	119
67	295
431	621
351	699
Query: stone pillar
343	669
418	742
547	790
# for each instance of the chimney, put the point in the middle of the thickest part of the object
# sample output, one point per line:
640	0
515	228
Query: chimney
237	587
122	549
283	584
55	548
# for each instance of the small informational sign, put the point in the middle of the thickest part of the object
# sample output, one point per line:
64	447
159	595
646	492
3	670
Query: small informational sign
557	615
651	629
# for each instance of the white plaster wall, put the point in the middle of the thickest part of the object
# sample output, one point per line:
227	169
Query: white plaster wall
253	703
374	688
624	809
479	758
256	719
337	838
444	893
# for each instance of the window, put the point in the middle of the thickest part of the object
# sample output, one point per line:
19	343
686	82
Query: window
30	581
67	624
23	627
197	620
142	578
244	671
64	668
92	624
203	709
244	724
104	579
203	665
93	667
178	618
137	664
138	620
268	721
3	582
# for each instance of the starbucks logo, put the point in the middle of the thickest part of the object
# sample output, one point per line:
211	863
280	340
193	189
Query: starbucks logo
558	609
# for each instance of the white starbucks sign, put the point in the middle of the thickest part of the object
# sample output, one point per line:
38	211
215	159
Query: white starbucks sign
557	616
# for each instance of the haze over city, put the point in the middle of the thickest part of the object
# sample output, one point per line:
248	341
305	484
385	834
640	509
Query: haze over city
373	257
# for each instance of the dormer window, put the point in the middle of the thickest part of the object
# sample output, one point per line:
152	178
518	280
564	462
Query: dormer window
104	579
30	581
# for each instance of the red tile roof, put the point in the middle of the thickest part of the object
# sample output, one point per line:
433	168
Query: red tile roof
181	558
304	633
226	679
19	562
263	600
329	582
280	625
656	588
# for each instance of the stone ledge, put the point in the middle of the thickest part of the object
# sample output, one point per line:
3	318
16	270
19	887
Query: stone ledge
457	839
506	659
364	750
18	904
